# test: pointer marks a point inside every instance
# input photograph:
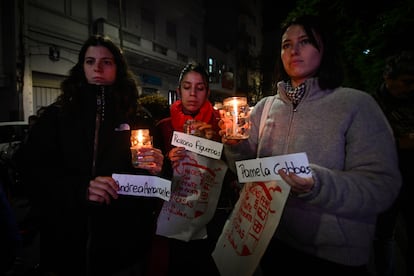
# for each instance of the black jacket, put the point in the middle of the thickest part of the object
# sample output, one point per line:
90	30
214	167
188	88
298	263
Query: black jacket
55	164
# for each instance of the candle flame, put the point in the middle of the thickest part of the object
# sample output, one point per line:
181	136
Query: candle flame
139	137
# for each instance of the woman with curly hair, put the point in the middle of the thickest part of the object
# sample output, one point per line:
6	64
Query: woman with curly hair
78	142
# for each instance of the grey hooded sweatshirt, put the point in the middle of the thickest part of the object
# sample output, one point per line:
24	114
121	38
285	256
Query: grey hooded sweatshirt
352	155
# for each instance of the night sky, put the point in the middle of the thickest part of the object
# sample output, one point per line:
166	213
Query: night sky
221	17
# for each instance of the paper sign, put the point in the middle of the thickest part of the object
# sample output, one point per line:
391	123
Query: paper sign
196	187
250	228
197	144
265	169
143	185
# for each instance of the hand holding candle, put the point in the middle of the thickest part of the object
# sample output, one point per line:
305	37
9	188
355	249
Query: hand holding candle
141	149
141	137
199	128
237	111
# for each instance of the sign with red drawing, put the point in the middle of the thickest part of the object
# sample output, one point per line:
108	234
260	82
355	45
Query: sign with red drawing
195	189
250	227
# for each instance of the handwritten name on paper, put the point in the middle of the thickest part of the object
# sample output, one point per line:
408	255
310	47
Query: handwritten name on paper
266	169
197	144
143	185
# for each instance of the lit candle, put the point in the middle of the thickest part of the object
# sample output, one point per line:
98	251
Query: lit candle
236	104
140	137
236	111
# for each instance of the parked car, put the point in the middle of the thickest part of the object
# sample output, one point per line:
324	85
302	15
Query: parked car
11	135
22	223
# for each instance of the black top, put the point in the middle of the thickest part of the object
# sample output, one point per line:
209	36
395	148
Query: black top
56	166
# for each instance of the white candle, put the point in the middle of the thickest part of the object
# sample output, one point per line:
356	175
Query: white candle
140	138
236	111
236	105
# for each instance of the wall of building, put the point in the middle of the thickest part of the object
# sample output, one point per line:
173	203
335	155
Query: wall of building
55	30
158	38
10	102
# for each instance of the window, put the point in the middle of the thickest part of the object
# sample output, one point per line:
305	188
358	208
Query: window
211	70
148	16
159	49
148	23
171	30
115	15
210	65
193	41
182	57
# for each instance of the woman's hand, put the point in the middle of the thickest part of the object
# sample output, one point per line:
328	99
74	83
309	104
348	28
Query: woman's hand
207	129
150	159
103	189
176	154
223	125
298	185
201	129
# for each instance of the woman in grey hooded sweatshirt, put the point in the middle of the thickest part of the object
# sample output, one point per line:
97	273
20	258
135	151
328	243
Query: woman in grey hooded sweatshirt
328	222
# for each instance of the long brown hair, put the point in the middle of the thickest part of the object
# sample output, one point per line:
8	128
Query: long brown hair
125	85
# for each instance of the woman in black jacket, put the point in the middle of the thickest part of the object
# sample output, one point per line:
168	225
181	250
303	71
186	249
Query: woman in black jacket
76	145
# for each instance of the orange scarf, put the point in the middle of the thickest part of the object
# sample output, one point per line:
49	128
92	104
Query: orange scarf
178	118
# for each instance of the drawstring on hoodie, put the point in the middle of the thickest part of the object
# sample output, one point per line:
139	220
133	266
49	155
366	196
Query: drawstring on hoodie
100	117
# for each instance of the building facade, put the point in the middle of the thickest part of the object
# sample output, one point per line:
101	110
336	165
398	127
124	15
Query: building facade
40	41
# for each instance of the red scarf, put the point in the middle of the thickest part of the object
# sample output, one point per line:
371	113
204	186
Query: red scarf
178	118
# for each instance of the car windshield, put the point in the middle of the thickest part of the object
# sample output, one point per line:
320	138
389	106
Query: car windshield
12	132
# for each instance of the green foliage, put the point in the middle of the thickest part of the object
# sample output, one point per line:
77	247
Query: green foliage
156	104
384	29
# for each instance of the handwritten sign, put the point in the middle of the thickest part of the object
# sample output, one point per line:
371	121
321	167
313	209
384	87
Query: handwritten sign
143	185
196	182
197	144
250	228
266	169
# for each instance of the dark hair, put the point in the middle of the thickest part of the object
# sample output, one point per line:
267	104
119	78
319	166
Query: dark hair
194	67
330	73
399	64
125	85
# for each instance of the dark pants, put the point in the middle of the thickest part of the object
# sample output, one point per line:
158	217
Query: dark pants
191	258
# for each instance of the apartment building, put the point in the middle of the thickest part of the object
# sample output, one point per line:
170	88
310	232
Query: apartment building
40	41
